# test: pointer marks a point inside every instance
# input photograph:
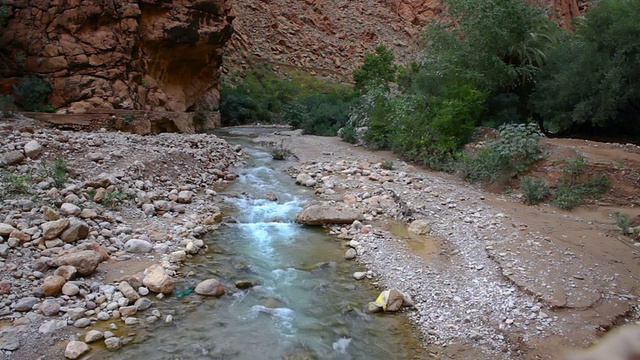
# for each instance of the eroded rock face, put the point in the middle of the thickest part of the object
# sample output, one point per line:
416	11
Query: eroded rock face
135	55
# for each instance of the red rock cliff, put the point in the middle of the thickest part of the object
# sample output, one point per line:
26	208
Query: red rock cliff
159	55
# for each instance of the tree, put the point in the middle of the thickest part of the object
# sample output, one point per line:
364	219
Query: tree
377	70
592	80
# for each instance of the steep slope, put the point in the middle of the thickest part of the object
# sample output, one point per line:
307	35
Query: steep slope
134	55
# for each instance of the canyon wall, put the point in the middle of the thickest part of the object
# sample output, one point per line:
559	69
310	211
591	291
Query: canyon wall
156	55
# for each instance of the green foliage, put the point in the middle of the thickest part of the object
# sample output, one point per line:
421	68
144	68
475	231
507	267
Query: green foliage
129	120
32	93
302	101
572	189
533	189
387	164
279	151
348	133
623	223
516	148
57	170
113	198
13	184
592	79
6	105
377	70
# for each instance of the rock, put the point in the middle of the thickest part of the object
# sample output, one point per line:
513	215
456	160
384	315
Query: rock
6	229
25	304
82	323
306	180
138	246
50	214
210	287
359	275
88	214
68	272
157	280
75	349
320	214
350	254
9	340
51	326
128	291
112	343
178	256
51	229
185	197
75	313
162	205
143	304
374	307
394	300
93	336
85	261
244	284
126	311
420	227
12	158
70	289
5	288
148	209
77	230
50	307
70	209
619	344
52	285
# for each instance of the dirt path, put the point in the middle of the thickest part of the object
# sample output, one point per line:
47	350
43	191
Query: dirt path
580	275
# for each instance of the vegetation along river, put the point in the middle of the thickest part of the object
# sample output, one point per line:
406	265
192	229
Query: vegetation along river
305	305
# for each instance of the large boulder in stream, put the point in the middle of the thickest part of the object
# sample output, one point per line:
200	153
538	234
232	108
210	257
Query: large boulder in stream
320	214
157	280
210	287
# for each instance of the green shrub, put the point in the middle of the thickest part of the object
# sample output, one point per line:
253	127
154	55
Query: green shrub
279	151
516	148
17	184
7	105
623	223
33	93
387	164
57	170
113	198
348	133
572	190
129	120
534	189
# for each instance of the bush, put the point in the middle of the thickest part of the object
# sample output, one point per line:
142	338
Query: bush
534	189
623	223
16	184
33	94
572	190
348	133
56	170
279	151
113	198
516	148
6	105
387	164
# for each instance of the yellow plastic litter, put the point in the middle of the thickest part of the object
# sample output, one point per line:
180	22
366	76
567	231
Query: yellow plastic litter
380	301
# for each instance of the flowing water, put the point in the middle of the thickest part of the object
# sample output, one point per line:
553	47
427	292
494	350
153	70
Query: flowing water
305	305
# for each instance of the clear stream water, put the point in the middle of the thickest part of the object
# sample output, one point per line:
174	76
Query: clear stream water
306	304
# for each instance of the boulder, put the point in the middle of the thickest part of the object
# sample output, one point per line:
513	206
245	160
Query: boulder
185	197
25	304
320	214
75	349
70	289
85	261
157	280
306	180
68	272
138	246
50	307
420	227
77	230
6	229
12	157
52	285
50	214
93	336
9	339
70	209
32	149
210	287
51	229
128	292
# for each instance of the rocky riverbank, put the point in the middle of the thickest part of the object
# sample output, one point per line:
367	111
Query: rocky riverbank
95	227
491	278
